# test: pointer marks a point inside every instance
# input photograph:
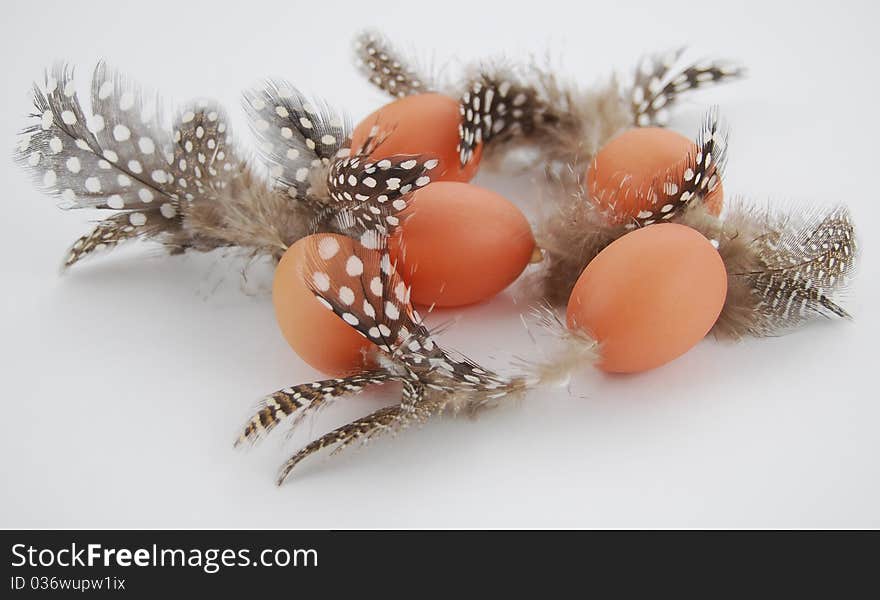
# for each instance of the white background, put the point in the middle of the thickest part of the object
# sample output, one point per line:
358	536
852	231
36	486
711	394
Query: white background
124	381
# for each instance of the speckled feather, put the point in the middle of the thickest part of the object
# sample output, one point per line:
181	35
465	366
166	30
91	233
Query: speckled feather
685	184
660	80
367	196
810	264
783	269
496	105
182	184
298	401
297	138
111	158
363	288
385	68
390	419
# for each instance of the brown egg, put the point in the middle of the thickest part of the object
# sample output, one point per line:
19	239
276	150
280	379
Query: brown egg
641	155
421	124
316	334
649	296
460	244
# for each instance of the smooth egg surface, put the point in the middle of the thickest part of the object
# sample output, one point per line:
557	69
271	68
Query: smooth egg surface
421	124
635	159
460	244
315	333
649	296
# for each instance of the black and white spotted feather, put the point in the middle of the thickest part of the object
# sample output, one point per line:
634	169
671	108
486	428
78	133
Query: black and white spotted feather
661	79
297	138
181	183
804	270
784	268
295	403
386	68
367	196
361	286
686	184
415	409
113	157
305	145
496	105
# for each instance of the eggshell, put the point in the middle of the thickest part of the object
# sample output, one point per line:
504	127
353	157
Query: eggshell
640	155
421	124
460	244
316	334
649	296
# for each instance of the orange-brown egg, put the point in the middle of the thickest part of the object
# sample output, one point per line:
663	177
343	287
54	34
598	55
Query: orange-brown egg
317	335
421	124
649	296
640	155
460	244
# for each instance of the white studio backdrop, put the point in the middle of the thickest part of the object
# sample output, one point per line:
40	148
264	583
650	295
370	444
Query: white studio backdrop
125	380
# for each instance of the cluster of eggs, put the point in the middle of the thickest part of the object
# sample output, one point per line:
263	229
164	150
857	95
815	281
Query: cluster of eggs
655	292
647	298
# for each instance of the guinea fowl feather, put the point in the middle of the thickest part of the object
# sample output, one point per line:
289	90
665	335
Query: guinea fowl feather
661	78
184	185
386	68
783	270
361	286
